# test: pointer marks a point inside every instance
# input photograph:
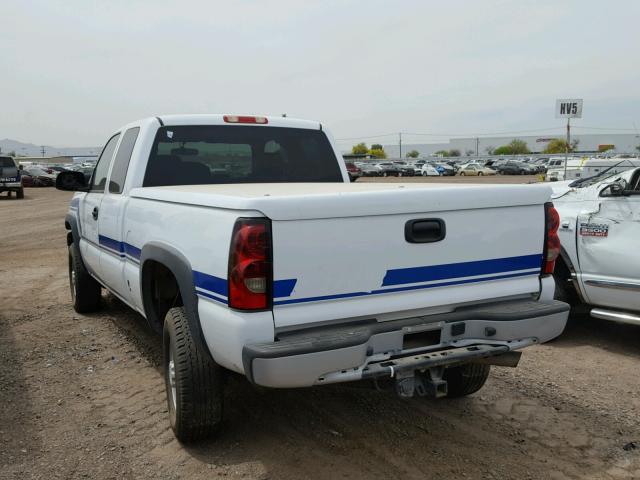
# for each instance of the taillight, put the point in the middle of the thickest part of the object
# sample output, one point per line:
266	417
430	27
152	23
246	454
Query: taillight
245	119
250	273
552	240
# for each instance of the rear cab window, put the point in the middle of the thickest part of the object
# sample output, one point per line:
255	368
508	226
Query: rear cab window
7	162
219	154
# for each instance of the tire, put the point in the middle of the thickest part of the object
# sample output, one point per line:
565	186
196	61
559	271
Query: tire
480	174
462	174
20	194
399	174
466	379
86	292
384	174
193	381
522	172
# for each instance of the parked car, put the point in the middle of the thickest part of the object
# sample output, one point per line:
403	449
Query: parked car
406	170
41	177
599	263
513	167
266	280
445	169
388	169
354	172
10	177
429	170
475	169
369	170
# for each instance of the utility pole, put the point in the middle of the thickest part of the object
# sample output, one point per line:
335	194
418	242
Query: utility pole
477	146
566	158
400	143
42	150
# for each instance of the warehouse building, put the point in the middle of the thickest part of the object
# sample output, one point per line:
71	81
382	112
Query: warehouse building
587	143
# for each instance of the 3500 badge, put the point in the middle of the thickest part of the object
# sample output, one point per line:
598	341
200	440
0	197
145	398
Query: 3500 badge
594	229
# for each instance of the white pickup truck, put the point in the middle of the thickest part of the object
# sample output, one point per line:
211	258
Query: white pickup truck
243	241
600	236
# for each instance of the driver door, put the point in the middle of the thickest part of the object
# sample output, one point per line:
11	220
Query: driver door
608	251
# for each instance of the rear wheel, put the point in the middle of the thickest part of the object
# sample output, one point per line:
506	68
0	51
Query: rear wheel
462	174
194	382
480	174
86	292
465	379
384	174
20	193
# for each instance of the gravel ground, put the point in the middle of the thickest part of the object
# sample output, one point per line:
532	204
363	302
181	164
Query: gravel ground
83	397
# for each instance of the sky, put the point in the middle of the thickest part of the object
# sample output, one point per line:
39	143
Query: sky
73	71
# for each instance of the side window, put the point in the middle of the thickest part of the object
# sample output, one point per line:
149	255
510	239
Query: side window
121	162
99	179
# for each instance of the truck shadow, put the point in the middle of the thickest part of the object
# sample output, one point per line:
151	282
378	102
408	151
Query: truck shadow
607	335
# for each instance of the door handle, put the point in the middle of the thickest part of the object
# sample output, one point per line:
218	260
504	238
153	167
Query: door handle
94	214
424	230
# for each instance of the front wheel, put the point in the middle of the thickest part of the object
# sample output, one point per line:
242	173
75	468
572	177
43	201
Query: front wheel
466	379
462	174
480	174
193	381
384	174
86	292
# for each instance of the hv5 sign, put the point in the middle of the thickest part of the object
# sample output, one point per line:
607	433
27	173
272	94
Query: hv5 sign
569	108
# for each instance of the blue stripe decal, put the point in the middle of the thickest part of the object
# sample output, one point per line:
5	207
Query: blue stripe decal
209	282
283	288
132	251
110	243
212	297
401	289
430	273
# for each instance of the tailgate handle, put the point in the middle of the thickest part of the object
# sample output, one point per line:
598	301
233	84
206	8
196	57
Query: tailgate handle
424	230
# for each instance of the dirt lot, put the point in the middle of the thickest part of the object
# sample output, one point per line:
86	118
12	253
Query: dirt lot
83	397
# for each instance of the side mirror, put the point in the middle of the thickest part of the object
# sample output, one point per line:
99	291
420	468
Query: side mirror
617	189
71	181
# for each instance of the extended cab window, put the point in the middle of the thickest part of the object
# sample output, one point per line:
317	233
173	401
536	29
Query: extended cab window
121	162
99	178
212	154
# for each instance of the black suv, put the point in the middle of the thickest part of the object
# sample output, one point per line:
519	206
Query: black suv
10	177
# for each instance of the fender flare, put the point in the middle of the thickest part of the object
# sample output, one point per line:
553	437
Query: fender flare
180	267
71	223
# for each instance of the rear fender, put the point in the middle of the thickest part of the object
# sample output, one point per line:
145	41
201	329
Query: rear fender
181	269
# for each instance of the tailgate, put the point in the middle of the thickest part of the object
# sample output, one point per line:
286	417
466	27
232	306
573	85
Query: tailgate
365	266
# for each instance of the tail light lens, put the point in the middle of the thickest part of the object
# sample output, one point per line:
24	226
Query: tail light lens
552	240
250	274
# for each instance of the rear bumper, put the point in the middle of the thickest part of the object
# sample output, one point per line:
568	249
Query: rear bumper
361	350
